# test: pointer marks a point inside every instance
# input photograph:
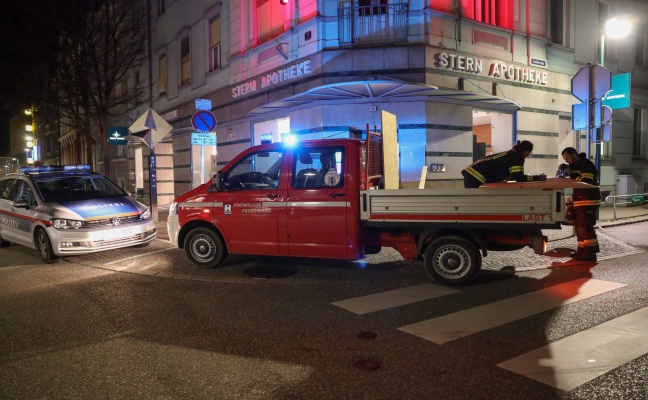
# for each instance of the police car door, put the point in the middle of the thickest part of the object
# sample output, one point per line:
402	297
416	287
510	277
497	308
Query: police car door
17	221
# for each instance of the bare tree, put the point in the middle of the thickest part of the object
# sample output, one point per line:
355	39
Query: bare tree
96	53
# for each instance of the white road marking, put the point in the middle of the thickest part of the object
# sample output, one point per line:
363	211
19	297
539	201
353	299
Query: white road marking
394	298
138	256
577	359
463	323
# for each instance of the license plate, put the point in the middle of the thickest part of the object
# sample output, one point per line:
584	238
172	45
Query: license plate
118	234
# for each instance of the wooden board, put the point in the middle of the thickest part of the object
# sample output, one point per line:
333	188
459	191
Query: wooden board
550	183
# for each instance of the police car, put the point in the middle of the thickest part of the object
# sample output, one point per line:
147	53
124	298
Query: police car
69	210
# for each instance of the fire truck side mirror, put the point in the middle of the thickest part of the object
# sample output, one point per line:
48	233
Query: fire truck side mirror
219	181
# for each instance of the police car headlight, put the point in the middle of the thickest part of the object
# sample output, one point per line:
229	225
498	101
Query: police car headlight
146	214
66	223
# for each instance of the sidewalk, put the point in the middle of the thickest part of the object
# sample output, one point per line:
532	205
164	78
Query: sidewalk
624	215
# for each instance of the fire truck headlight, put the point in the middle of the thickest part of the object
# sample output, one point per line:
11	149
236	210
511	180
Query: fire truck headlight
173	209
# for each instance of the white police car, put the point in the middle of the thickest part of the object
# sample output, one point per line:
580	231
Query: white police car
69	210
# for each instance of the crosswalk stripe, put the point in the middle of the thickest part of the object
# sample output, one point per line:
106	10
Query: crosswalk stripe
463	323
394	298
577	359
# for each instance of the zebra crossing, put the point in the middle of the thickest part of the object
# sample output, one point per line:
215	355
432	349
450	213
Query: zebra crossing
565	364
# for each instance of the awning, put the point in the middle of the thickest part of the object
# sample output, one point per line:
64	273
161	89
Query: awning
385	90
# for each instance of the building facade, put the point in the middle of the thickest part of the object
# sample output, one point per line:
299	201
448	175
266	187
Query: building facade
464	79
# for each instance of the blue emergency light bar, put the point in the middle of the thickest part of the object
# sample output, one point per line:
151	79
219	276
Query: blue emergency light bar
54	168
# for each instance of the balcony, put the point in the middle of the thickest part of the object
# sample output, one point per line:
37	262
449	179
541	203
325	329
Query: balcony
371	25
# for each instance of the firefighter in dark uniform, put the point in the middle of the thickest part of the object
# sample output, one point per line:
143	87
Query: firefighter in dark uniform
507	165
586	201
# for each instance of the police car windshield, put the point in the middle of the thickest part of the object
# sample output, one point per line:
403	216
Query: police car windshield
73	188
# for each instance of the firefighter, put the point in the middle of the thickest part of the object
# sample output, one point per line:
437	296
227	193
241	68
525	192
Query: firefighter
586	201
507	165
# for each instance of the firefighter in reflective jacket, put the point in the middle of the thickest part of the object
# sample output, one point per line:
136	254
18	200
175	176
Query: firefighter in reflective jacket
501	166
586	201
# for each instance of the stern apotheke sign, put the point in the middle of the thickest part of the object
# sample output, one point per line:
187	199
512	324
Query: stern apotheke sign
494	69
273	78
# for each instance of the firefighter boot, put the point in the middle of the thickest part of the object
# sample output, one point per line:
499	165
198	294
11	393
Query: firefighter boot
578	252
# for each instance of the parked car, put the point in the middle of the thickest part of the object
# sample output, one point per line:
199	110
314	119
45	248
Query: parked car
69	210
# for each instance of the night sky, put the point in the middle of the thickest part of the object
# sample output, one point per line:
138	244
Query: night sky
28	32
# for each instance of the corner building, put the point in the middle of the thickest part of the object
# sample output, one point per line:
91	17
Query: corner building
464	78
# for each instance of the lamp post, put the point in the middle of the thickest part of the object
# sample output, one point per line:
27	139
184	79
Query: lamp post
615	28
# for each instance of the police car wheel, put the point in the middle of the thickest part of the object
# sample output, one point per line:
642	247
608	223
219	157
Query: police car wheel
452	260
205	247
44	246
4	243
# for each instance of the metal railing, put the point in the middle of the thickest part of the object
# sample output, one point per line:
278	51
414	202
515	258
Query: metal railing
627	200
374	24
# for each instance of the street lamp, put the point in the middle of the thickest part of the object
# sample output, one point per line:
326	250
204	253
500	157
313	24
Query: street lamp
615	28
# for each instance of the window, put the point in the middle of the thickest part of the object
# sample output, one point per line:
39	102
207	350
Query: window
162	69
118	91
372	7
318	168
257	171
603	16
6	188
640	42
493	12
270	19
637	141
161	7
185	61
136	78
215	44
558	17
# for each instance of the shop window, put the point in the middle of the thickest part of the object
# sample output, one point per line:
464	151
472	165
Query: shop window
185	61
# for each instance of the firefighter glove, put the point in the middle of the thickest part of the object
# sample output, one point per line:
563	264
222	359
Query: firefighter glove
540	178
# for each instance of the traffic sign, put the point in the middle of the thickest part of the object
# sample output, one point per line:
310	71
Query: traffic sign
579	116
580	84
203	139
203	104
601	81
203	121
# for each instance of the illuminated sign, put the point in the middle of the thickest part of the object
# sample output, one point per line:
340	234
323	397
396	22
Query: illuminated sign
496	69
619	94
273	78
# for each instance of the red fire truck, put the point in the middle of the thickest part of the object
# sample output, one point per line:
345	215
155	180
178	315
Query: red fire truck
325	198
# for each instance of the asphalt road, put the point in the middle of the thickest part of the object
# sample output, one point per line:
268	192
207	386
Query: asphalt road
140	323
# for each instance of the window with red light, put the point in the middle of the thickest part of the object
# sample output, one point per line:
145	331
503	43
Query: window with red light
270	19
493	12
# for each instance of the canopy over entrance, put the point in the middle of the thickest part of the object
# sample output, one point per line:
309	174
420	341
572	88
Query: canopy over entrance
385	90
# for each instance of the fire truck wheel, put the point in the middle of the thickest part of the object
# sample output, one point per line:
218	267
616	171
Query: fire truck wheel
452	260
44	246
205	248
